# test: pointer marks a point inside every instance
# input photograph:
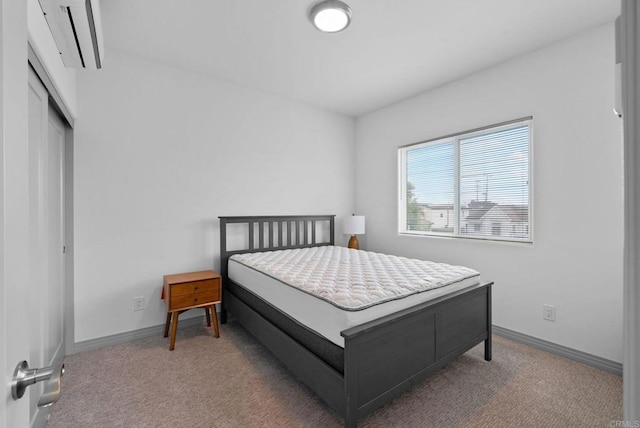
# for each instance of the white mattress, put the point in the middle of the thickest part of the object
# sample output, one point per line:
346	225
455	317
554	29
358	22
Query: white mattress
330	289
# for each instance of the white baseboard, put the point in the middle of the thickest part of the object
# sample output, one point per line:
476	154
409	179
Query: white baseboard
129	336
563	351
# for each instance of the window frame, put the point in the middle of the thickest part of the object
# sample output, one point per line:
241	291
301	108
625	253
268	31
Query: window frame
455	139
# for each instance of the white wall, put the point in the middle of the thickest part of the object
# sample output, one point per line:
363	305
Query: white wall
160	153
575	262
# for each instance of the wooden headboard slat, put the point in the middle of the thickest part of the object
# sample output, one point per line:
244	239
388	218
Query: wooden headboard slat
313	231
251	240
306	230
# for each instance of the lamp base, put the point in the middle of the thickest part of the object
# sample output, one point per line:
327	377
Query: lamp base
353	243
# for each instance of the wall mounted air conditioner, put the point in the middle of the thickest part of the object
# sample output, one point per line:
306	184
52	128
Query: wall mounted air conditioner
77	31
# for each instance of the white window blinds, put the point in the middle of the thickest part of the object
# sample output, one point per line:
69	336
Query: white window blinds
475	184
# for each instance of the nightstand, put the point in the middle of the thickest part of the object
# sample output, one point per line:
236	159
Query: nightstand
191	290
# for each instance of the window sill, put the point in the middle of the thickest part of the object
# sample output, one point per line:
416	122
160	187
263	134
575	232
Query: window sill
528	242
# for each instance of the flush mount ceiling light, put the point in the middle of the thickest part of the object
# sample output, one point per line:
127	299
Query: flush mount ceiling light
330	16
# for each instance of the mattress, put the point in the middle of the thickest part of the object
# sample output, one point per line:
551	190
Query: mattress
330	289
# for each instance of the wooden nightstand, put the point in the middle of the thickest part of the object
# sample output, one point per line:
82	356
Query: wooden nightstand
191	290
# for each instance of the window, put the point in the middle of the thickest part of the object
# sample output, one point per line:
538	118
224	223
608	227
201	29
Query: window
475	184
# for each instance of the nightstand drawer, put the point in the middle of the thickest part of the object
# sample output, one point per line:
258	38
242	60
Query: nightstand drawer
192	300
194	293
196	287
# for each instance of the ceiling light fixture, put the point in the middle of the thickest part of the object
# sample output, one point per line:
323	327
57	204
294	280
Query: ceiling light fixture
330	16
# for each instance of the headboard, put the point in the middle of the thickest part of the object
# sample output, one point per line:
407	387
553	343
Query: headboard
282	232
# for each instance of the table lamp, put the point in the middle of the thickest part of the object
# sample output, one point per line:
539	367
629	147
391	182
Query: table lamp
353	226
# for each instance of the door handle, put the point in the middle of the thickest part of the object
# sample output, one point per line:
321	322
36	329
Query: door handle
23	376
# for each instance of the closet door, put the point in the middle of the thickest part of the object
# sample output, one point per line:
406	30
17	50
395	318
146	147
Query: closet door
54	186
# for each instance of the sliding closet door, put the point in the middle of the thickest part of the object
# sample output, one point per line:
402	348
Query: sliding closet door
55	235
46	237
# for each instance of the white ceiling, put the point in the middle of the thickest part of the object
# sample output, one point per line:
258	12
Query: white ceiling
392	50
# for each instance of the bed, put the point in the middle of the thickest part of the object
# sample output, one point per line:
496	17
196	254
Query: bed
367	364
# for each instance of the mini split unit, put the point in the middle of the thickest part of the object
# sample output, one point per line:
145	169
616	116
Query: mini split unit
77	31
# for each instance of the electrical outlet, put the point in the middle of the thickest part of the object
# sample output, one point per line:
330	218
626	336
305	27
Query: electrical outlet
138	303
549	312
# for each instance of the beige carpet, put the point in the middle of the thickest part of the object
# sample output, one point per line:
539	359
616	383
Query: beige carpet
234	382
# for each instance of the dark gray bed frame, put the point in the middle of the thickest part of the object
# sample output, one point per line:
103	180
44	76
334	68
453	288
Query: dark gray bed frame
382	358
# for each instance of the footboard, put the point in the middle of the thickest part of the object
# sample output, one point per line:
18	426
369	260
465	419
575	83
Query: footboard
385	357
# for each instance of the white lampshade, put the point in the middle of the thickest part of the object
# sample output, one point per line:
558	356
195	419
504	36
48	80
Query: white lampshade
354	225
